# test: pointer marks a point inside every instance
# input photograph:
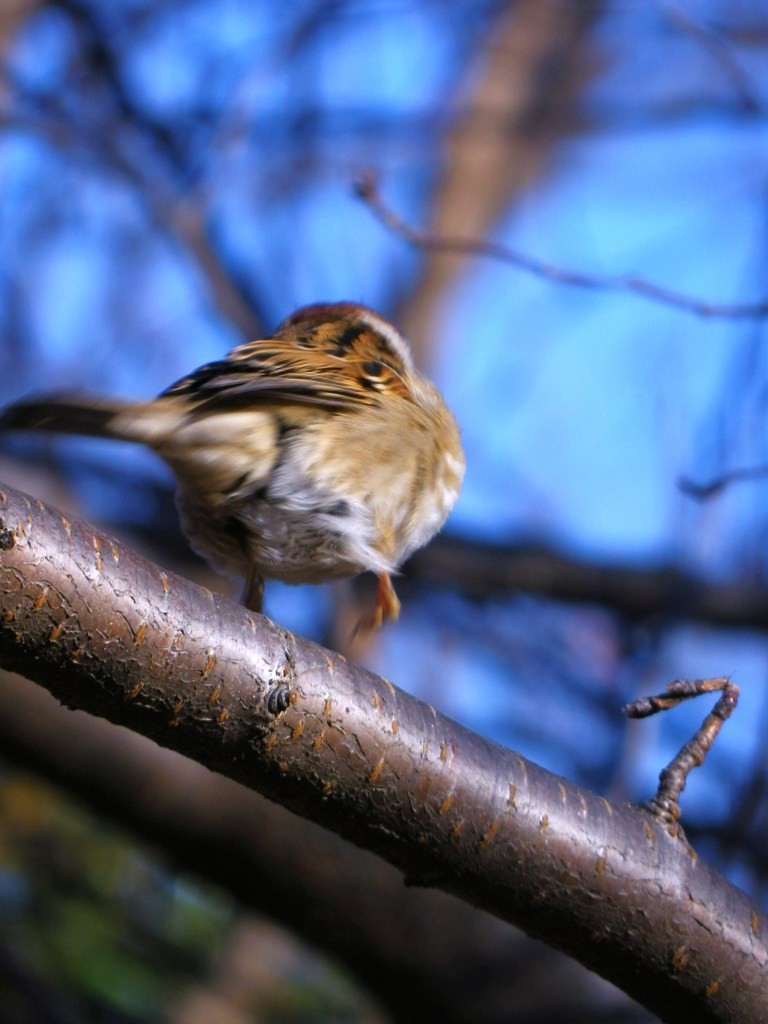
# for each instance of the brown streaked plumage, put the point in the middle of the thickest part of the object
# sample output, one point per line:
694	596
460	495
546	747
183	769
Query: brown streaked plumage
315	454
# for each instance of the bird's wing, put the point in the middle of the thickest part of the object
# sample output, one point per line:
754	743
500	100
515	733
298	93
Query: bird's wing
333	365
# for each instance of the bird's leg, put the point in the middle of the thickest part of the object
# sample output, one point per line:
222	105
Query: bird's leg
253	590
386	606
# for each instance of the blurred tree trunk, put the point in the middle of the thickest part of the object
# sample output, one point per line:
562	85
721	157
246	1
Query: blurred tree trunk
515	106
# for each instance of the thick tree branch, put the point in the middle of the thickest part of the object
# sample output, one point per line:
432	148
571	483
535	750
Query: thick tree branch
108	632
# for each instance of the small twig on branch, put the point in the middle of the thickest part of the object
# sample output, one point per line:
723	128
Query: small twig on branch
666	803
719	483
366	187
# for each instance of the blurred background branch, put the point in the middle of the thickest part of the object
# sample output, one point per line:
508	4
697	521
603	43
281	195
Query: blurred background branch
368	190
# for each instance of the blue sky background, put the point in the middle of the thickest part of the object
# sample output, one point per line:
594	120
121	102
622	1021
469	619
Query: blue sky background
580	409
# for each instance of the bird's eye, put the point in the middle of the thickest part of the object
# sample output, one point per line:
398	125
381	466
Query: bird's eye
374	370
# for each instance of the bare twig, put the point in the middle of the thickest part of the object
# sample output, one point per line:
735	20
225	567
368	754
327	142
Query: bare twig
366	187
147	154
717	47
666	803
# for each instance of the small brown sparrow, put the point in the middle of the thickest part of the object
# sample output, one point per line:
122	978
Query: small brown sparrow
308	456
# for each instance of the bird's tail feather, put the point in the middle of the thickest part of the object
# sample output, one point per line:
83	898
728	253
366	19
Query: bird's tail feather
69	414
